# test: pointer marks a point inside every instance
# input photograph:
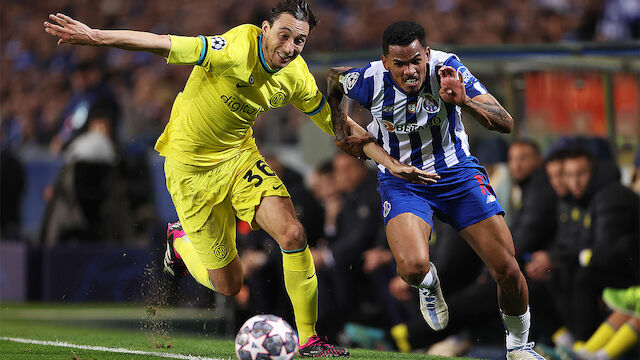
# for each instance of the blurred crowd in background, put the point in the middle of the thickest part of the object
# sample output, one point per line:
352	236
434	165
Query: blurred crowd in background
42	84
99	111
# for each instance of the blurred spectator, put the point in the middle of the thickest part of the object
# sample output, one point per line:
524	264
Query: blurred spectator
604	252
538	267
89	199
620	20
533	201
533	224
91	94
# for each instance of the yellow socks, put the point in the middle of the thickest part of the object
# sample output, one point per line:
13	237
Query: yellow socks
301	283
600	337
621	341
400	334
187	252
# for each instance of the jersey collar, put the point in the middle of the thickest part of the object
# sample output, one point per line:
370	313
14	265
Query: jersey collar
262	61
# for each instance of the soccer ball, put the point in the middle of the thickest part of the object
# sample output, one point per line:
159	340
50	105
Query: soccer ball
266	337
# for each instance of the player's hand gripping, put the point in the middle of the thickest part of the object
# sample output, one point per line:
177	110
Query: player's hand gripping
352	143
70	31
452	88
356	141
412	174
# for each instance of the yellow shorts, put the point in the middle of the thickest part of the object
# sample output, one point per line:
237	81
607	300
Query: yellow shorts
208	200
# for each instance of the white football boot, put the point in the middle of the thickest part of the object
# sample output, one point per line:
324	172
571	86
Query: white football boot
524	352
434	309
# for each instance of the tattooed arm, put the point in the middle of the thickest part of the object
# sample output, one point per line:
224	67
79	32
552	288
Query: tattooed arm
489	113
334	98
346	140
484	108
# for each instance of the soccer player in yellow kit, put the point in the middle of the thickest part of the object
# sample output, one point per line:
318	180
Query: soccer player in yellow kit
213	168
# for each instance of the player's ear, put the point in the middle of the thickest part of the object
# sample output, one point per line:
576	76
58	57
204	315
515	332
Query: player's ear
265	26
428	53
384	62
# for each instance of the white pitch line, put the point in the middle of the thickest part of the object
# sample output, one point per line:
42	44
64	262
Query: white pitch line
108	349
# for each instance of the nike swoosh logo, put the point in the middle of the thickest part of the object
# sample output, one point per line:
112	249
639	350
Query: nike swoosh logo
314	274
240	85
277	187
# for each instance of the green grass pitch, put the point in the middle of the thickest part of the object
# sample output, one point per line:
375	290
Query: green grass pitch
118	327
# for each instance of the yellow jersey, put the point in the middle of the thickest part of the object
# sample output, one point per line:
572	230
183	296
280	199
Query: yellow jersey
228	88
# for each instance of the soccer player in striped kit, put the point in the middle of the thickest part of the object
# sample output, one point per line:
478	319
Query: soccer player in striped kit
416	95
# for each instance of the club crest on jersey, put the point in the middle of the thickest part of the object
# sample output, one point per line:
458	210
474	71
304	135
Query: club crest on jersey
277	99
430	104
350	80
220	252
218	43
411	107
387	208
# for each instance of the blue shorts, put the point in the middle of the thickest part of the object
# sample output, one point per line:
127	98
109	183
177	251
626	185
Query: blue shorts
462	197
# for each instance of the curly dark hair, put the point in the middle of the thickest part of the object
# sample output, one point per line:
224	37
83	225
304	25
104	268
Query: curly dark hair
402	33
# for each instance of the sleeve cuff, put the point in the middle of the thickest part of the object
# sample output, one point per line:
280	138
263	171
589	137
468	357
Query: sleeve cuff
186	50
318	108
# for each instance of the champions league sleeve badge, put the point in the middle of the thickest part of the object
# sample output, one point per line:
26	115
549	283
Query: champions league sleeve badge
218	43
349	80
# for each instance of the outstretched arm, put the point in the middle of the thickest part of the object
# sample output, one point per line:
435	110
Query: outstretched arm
382	157
484	108
70	31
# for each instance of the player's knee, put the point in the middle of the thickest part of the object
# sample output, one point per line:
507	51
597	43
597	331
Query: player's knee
413	270
229	288
508	273
229	283
292	238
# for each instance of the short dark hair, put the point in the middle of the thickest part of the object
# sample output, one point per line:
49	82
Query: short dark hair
558	155
577	153
530	143
299	9
402	33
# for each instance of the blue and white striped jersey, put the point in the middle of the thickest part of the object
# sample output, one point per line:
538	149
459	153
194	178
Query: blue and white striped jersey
421	130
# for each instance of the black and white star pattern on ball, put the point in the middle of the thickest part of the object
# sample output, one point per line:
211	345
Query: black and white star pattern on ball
218	43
